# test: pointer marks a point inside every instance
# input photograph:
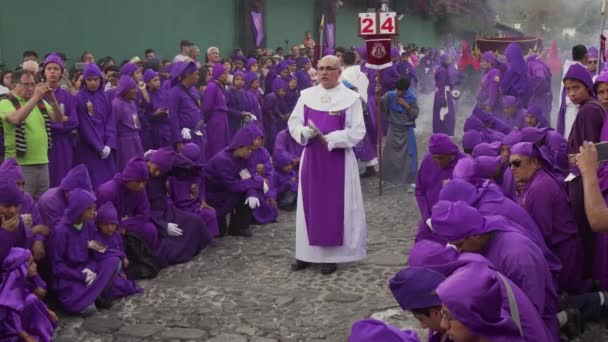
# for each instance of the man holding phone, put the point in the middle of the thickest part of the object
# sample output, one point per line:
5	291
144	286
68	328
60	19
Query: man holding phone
26	114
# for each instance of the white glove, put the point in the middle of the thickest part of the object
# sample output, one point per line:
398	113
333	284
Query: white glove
266	188
186	134
173	229
245	174
90	276
308	133
148	153
105	152
252	202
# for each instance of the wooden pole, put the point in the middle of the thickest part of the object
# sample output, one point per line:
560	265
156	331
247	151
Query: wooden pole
379	125
599	58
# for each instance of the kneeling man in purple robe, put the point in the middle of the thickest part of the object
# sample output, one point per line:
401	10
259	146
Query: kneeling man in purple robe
330	219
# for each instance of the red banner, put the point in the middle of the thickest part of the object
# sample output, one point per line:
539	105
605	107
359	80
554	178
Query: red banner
378	53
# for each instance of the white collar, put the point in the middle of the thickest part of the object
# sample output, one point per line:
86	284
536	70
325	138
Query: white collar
334	99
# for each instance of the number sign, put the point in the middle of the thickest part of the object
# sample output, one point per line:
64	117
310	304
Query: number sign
367	24
377	23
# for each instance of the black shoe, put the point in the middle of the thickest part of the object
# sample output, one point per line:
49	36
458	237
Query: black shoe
102	303
243	232
223	227
574	326
299	265
328	268
370	171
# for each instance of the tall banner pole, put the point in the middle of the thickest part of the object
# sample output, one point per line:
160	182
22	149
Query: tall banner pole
379	125
321	34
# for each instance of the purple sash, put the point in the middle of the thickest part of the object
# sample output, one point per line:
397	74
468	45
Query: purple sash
322	182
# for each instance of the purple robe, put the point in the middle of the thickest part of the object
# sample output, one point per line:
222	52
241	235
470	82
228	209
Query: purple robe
515	80
388	81
273	108
265	213
121	287
128	140
69	255
238	101
539	78
429	182
215	112
443	101
284	142
96	130
160	126
184	113
20	309
324	210
547	203
61	155
488	96
304	80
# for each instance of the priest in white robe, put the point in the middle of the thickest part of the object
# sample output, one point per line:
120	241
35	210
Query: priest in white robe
330	218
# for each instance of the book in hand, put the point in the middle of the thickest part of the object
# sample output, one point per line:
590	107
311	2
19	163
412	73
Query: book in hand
312	125
97	246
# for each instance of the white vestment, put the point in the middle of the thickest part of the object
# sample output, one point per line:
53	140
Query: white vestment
355	231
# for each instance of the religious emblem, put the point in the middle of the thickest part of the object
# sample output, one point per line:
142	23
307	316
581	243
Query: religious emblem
136	120
496	78
325	99
378	50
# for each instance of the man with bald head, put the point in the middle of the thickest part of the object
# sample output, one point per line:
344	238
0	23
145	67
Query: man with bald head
330	220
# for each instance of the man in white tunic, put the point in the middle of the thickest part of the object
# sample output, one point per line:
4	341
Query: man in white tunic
330	219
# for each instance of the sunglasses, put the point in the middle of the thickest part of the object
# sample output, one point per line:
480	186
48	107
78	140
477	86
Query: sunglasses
323	68
515	164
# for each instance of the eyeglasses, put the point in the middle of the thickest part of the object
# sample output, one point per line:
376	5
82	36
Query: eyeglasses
592	62
323	68
515	164
27	84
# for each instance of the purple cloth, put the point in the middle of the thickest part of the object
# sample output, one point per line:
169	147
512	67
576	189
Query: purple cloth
539	78
284	181
284	142
239	101
440	143
184	112
265	213
97	128
69	255
371	330
579	73
65	133
388	81
257	22
149	75
479	305
10	193
215	112
128	141
470	140
488	96
163	159
128	69
515	80
487	149
323	197
161	127
444	101
125	84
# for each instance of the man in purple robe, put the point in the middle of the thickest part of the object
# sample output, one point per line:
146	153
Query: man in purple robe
284	142
545	199
405	68
568	109
587	127
78	281
539	78
372	330
511	252
304	81
388	81
330	220
157	111
53	203
61	154
23	315
512	113
534	117
215	112
184	103
435	169
488	96
97	127
444	108
275	111
471	139
241	105
285	180
142	100
414	289
231	187
128	140
515	80
260	163
35	230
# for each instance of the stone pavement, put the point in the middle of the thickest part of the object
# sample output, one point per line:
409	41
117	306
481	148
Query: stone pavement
242	290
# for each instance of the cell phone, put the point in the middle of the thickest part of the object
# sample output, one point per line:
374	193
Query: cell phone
602	151
80	66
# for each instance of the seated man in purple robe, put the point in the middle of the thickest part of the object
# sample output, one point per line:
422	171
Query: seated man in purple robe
97	127
260	163
187	187
435	169
231	187
285	180
512	253
35	230
534	117
53	203
128	140
414	289
475	310
545	199
372	330
110	237
80	282
23	315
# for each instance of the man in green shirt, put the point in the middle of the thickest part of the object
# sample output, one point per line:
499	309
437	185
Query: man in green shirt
25	128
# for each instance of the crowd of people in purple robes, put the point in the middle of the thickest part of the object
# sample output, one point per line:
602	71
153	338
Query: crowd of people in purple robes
152	160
